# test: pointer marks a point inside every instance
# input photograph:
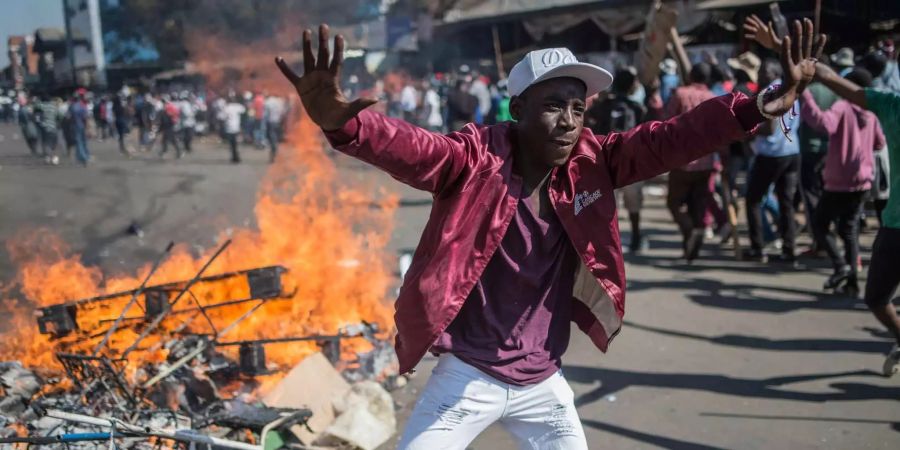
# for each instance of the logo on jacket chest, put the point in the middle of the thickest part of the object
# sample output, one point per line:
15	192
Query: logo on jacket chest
585	198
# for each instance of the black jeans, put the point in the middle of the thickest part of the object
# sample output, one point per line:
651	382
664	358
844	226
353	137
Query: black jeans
168	137
273	135
232	139
883	274
689	188
811	184
187	136
842	208
784	171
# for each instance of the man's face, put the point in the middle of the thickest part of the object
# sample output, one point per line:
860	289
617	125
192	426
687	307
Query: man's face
550	117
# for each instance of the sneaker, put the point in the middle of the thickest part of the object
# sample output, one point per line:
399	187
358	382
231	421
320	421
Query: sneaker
755	256
726	233
892	362
837	278
693	244
788	260
54	160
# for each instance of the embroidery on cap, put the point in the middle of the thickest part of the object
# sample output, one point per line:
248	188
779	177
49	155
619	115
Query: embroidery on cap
585	198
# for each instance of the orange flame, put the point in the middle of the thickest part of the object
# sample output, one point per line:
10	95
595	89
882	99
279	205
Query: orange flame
331	237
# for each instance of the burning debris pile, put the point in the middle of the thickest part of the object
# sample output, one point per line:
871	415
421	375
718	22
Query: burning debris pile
179	379
278	336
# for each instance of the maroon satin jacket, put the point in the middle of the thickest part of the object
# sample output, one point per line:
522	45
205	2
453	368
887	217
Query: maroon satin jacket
470	174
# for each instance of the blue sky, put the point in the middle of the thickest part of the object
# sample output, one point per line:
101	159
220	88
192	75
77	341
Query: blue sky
23	17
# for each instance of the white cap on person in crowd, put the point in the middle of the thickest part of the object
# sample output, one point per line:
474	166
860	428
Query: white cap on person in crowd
748	62
544	64
668	66
843	57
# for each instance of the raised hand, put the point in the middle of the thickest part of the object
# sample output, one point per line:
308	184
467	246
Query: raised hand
319	87
798	62
799	54
759	31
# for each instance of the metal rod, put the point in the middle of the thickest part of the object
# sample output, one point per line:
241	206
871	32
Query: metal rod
61	438
176	365
170	286
134	297
152	326
285	339
201	308
178	435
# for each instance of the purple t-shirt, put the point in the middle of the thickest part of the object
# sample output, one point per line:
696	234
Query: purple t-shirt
514	325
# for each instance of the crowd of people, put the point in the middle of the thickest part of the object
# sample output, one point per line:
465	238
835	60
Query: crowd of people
164	121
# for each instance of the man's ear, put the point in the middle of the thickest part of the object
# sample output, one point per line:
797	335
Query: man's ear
515	107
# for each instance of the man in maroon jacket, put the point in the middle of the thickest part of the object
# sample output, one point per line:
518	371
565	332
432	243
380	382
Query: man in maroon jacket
523	236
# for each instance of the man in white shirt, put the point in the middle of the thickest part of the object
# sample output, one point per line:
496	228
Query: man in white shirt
188	107
274	109
230	115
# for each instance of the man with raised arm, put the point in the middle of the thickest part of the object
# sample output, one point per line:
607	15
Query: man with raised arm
884	275
523	236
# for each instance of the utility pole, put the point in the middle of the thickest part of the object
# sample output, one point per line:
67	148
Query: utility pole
70	49
97	43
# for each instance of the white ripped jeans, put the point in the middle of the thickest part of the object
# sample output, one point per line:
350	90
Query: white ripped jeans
460	401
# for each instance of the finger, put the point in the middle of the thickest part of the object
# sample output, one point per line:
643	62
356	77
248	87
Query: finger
757	21
338	59
309	61
322	59
820	46
808	38
772	37
787	60
360	104
286	70
797	38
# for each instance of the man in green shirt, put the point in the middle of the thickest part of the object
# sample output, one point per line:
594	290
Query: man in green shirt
884	276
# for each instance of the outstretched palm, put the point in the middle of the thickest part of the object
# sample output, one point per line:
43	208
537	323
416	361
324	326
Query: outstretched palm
799	54
319	88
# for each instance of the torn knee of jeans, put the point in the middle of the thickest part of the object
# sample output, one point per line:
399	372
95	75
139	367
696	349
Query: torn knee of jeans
559	421
451	414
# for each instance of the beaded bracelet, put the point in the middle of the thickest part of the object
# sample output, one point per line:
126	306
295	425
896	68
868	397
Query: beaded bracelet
760	100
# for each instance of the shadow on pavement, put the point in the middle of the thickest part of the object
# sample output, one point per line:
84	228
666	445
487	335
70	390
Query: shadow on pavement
894	425
761	343
660	441
750	297
614	380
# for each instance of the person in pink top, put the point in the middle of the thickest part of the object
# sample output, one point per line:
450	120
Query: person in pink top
691	186
853	133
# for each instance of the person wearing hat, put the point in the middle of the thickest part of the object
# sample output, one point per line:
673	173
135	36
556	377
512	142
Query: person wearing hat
668	79
523	236
749	64
843	60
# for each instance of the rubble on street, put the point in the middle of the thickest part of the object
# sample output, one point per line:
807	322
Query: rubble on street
177	381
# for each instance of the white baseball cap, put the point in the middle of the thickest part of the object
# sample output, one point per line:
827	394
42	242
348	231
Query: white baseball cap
544	64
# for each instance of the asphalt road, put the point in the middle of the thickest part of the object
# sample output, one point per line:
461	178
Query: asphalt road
720	354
